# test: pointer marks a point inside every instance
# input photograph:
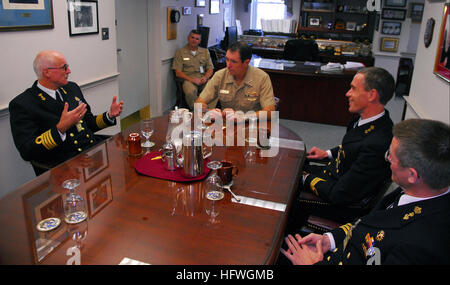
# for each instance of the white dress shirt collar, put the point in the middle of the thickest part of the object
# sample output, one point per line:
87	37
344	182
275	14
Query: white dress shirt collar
371	119
50	92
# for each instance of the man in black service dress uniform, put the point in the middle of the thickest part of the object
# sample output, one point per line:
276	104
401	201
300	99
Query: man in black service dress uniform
357	167
51	121
409	226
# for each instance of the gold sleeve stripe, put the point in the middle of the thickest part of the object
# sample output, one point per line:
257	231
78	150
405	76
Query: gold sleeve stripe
100	122
346	228
46	140
313	185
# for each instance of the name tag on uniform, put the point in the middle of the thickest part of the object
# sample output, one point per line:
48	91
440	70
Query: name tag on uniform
224	91
186	58
202	70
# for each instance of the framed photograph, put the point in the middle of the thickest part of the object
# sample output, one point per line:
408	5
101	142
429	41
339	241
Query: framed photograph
39	204
391	28
314	21
214	6
187	10
16	15
442	63
97	161
99	196
395	3
350	26
389	44
393	14
83	17
200	3
416	12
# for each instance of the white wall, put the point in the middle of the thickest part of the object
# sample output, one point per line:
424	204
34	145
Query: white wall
430	95
92	61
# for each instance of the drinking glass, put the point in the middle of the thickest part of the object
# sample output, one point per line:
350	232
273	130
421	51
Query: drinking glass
78	232
147	129
214	191
74	206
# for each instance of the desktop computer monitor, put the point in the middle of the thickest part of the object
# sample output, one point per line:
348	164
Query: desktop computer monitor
204	32
230	37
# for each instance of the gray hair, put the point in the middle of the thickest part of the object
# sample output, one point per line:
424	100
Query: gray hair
44	59
425	146
379	79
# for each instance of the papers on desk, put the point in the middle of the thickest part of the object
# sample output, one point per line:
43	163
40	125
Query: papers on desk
260	203
129	261
353	65
332	67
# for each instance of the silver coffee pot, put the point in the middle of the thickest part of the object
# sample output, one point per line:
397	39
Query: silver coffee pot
192	154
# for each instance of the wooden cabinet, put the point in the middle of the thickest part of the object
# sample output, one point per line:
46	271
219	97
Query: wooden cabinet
336	19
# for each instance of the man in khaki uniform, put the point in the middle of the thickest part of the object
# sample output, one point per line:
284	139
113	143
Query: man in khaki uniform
193	64
240	86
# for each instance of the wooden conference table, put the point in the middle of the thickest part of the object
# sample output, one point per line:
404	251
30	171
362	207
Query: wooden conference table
152	220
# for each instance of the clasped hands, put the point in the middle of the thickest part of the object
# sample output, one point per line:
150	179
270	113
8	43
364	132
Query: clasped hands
70	118
307	250
199	81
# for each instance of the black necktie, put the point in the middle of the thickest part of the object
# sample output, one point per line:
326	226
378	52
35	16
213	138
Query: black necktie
396	200
59	97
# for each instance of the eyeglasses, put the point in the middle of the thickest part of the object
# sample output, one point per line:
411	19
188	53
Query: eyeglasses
65	67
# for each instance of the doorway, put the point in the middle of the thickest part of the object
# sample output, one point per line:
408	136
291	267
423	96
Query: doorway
132	59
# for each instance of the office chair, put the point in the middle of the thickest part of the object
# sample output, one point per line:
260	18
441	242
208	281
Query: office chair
320	225
301	50
181	101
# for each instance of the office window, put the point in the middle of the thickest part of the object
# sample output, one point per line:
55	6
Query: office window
268	10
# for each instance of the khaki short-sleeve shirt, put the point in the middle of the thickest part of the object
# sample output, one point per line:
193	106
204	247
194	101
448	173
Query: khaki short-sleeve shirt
192	65
254	93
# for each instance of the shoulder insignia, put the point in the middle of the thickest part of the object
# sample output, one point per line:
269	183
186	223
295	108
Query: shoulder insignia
41	96
371	128
417	211
380	235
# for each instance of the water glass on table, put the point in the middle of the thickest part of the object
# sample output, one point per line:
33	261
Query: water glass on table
147	128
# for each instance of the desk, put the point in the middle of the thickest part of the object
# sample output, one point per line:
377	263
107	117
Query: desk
151	220
306	94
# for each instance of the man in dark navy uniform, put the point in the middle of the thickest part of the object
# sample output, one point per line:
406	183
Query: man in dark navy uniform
51	121
357	167
411	225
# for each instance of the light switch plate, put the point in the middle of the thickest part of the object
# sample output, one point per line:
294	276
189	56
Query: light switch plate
105	34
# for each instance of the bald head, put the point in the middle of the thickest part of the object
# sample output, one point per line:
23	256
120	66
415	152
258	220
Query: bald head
45	59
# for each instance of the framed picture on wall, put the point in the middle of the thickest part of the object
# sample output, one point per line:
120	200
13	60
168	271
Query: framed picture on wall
83	17
442	62
391	28
26	15
214	6
395	3
389	44
416	12
393	14
200	3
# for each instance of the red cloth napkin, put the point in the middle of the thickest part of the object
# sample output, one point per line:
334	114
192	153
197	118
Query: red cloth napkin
155	168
